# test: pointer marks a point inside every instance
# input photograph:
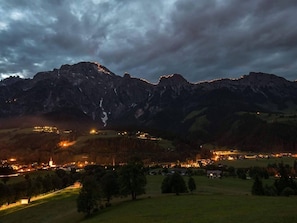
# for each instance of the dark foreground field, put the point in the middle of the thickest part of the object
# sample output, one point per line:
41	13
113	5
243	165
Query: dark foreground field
219	201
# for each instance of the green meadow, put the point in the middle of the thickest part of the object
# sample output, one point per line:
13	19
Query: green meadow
215	200
202	209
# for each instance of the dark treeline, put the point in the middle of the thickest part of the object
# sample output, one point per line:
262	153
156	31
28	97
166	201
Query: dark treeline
32	186
100	185
284	185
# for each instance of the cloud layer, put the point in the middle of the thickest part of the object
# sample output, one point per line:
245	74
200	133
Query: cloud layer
202	40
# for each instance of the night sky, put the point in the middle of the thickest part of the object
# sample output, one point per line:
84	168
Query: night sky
202	40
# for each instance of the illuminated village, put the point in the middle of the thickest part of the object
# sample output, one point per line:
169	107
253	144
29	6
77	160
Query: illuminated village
217	156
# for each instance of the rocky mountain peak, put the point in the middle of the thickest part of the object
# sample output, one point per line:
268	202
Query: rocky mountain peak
112	100
127	75
85	67
10	80
263	80
77	72
173	80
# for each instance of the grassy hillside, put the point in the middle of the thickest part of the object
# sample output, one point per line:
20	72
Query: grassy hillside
215	200
29	146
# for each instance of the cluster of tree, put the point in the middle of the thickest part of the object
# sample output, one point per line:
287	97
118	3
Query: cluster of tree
33	186
251	172
175	183
5	171
285	185
99	185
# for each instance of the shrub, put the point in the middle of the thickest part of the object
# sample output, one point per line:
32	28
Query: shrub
174	183
287	191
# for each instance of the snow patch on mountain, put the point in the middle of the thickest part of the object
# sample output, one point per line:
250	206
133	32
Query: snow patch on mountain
104	119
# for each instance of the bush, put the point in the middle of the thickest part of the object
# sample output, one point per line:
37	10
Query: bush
191	184
270	191
174	183
287	191
257	188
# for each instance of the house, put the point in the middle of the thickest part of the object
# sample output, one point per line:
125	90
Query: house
25	201
214	174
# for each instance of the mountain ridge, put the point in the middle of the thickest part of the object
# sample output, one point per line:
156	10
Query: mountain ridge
199	112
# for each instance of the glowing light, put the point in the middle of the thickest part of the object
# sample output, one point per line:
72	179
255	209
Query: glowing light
216	158
66	143
48	129
25	201
93	131
51	162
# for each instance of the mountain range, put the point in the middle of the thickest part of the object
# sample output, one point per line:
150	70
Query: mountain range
257	111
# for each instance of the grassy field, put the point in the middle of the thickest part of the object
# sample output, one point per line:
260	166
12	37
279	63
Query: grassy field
220	201
202	209
215	200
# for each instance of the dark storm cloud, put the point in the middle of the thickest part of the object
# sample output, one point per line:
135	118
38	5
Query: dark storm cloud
202	40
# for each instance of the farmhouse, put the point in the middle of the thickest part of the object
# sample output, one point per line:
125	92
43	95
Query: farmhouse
25	201
214	174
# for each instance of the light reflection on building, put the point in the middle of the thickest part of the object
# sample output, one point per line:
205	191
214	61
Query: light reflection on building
66	143
48	129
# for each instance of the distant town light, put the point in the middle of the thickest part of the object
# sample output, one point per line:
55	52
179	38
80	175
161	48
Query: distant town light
25	201
66	143
48	129
51	163
93	131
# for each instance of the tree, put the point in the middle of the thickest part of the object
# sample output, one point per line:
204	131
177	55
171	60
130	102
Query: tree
86	202
287	191
6	171
285	181
65	177
270	190
4	191
166	187
257	188
132	179
191	184
109	185
47	183
29	186
174	183
57	182
5	179
89	196
178	184
241	173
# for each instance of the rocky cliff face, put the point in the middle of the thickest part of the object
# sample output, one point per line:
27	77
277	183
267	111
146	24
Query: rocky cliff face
90	90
